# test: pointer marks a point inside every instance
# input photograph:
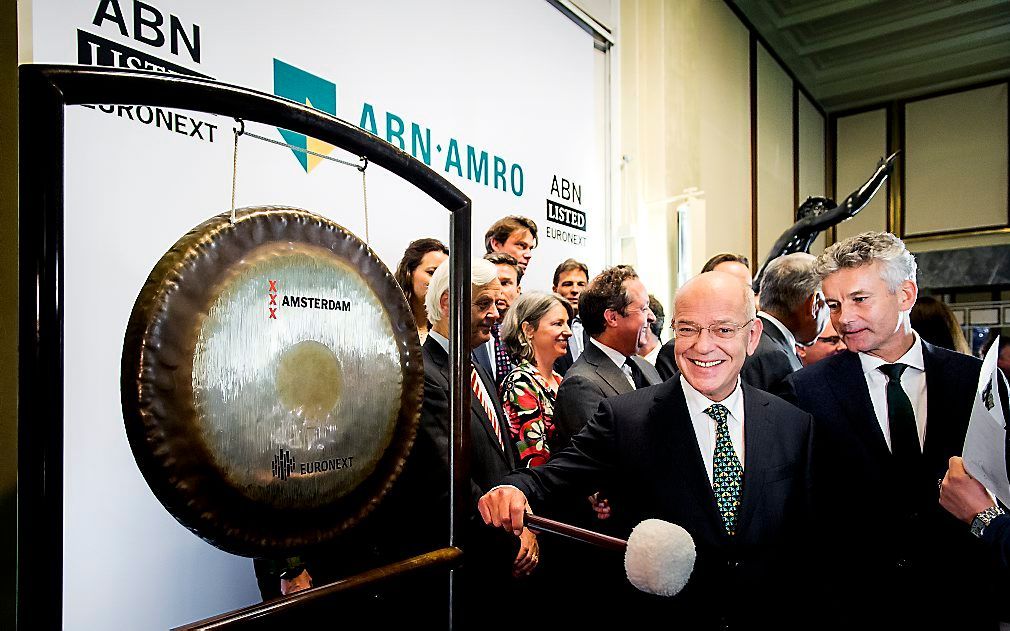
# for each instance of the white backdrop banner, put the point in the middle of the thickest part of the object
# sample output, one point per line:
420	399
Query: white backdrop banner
496	96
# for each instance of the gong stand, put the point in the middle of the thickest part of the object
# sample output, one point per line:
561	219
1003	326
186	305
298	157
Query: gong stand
44	93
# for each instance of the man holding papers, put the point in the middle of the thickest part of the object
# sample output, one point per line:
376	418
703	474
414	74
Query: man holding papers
890	413
968	488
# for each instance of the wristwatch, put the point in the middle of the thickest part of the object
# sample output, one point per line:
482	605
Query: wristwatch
983	519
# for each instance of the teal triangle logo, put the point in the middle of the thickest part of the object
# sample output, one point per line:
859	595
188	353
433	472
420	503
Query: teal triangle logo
300	86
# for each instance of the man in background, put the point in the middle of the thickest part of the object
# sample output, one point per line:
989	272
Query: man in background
828	343
492	355
652	335
514	235
570	280
614	311
792	312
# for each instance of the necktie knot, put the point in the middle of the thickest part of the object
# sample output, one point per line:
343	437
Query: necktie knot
718	412
495	330
893	371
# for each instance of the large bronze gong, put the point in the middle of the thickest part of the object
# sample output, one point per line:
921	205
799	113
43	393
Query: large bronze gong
271	380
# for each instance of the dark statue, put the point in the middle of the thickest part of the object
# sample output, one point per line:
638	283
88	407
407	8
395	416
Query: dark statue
817	214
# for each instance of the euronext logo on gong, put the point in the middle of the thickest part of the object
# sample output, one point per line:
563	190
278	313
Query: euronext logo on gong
284	466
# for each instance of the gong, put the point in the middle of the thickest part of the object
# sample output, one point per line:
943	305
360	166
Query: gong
271	381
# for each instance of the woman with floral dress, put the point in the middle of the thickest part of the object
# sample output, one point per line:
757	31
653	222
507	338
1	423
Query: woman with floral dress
535	332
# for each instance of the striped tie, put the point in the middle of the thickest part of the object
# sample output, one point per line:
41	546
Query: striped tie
478	390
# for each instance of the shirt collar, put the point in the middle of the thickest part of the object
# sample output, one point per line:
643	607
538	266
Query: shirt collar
790	339
697	403
911	358
441	339
615	356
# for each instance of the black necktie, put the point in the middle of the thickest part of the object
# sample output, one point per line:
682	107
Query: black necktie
901	418
636	373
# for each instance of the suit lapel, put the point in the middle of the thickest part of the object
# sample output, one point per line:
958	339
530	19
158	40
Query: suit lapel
687	468
758	449
441	359
944	425
775	336
607	369
851	393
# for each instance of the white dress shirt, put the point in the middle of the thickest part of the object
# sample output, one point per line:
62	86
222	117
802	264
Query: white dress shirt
704	425
913	382
576	340
617	358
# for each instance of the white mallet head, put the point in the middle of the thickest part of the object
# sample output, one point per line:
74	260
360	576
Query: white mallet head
660	557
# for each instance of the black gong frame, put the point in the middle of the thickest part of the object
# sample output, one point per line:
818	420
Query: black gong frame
44	93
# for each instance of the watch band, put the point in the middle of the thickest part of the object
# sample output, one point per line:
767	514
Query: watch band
982	520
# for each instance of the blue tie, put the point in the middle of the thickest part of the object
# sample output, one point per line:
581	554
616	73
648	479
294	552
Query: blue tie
727	472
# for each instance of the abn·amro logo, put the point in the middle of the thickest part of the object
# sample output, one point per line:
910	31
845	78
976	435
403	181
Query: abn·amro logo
304	87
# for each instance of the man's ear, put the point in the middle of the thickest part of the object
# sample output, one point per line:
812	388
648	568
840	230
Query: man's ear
610	317
808	305
443	304
496	244
908	291
754	337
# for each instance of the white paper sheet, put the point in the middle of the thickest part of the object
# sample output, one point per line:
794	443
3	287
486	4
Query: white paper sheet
985	443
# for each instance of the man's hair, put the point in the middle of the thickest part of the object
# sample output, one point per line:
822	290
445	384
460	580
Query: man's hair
787	283
529	307
656	307
503	258
411	259
505	226
896	263
481	273
725	257
606	291
569	265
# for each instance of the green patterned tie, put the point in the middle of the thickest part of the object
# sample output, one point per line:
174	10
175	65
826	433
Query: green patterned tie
727	472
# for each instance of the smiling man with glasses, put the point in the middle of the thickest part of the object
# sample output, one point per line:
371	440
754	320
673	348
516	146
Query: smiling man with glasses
724	460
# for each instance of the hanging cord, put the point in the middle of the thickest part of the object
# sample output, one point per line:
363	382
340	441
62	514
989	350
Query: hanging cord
241	131
364	194
234	165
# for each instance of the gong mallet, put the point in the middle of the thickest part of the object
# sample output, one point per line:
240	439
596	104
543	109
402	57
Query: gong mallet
658	556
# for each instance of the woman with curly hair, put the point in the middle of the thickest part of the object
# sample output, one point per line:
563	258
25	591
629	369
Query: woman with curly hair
535	332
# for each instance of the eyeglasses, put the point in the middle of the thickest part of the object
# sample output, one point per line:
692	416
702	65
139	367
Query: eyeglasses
721	330
831	339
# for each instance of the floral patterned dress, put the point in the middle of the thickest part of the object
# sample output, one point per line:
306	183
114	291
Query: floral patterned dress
529	406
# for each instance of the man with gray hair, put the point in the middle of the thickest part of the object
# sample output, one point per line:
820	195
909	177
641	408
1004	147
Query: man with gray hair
890	412
492	454
793	312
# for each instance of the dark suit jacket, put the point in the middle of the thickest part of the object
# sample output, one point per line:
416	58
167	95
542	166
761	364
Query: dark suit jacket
773	360
644	444
419	501
893	543
666	361
592	378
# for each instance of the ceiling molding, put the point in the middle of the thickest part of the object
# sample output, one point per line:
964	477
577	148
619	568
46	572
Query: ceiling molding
850	52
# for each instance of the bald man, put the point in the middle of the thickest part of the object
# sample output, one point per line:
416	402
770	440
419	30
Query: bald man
724	460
